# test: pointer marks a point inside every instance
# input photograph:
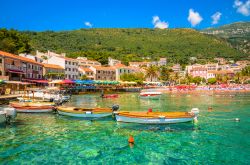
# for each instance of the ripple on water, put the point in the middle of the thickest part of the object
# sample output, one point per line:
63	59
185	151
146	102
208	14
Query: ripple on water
54	139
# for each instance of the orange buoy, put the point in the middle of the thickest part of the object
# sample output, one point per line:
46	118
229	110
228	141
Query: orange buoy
209	108
131	140
150	110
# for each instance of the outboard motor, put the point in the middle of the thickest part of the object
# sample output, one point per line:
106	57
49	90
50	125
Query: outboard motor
195	111
51	100
10	114
115	107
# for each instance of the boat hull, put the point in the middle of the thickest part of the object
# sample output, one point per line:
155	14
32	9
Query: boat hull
126	119
150	96
34	110
85	115
111	96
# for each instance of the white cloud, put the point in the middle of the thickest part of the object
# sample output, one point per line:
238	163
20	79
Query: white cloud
216	18
194	17
159	24
88	24
243	8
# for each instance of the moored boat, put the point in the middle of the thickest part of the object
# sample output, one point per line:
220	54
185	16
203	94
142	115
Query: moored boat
153	94
110	96
157	117
86	112
32	107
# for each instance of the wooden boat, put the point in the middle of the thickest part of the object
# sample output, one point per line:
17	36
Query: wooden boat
85	112
157	117
32	107
155	95
110	96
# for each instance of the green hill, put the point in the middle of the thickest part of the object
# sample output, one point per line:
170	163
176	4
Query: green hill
178	45
237	34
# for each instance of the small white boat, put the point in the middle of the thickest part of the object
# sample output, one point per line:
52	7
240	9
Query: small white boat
55	95
157	117
155	95
7	114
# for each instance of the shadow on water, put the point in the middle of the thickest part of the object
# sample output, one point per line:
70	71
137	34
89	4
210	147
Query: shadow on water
161	128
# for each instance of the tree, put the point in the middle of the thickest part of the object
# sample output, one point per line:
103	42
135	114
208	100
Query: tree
84	77
211	81
152	72
135	77
164	73
197	80
14	42
188	78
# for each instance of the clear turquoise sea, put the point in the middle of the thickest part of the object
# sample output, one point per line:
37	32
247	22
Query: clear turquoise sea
215	139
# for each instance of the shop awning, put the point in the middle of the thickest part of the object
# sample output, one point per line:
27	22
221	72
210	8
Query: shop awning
18	82
37	81
15	71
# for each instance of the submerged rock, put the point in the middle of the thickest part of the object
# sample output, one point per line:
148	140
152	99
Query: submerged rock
89	153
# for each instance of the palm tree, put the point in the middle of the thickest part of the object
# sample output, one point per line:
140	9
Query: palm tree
152	72
188	78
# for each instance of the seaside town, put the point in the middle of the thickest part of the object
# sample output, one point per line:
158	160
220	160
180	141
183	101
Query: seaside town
124	82
49	67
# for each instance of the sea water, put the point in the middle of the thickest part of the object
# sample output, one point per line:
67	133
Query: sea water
215	139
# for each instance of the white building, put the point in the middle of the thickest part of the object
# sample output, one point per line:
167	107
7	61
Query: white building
32	57
86	71
121	69
85	63
113	62
162	62
69	64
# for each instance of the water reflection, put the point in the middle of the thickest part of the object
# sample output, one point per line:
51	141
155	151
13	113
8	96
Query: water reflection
161	128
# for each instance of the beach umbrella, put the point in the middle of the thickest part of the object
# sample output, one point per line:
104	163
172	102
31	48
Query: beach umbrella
78	81
56	82
67	82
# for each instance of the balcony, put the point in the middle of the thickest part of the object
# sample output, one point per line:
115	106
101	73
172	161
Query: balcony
15	67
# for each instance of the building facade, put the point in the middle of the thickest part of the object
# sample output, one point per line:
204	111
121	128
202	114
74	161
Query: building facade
85	63
86	71
17	68
70	66
54	72
113	62
104	73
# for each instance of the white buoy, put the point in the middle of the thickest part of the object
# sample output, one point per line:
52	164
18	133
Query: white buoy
237	119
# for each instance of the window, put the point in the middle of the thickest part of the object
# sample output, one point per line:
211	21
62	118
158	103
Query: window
0	61
69	69
99	71
69	63
69	76
65	62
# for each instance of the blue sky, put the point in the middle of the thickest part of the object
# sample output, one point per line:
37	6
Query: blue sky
57	15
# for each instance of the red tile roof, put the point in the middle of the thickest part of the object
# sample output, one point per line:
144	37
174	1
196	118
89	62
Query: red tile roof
85	69
52	66
6	54
104	68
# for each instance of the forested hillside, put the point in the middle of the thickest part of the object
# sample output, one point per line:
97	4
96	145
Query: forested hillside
178	45
237	34
134	44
